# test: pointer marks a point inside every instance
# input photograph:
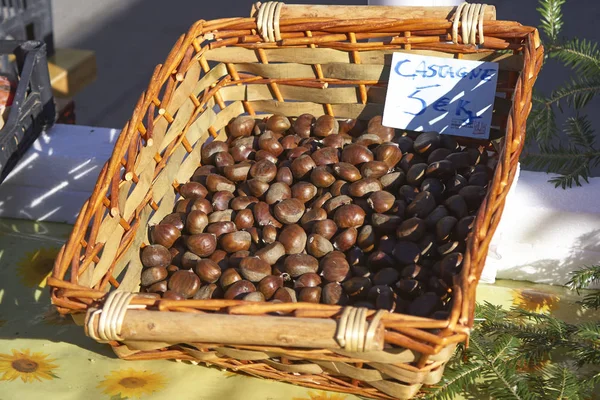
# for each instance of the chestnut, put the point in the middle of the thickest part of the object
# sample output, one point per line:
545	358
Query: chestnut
271	253
318	246
208	271
310	294
221	200
374	169
301	166
209	150
238	290
284	174
356	154
322	177
277	192
363	187
177	219
304	191
192	189
241	126
346	171
293	238
215	183
349	216
164	234
155	256
185	283
269	234
237	172
269	285
345	239
235	241
303	125
289	211
244	219
311	216
254	269
196	222
326	125
153	275
220	228
278	123
325	156
326	228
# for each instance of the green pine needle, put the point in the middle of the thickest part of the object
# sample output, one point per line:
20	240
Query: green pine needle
551	17
580	55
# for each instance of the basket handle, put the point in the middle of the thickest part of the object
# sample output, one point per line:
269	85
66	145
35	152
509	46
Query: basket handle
118	320
470	16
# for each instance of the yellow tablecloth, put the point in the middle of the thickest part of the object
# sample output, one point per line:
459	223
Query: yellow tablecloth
43	355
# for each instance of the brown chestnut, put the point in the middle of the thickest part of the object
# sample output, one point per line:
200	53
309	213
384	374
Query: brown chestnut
309	279
269	234
389	153
152	275
318	246
363	187
241	126
322	177
366	238
176	219
277	192
310	295
164	234
186	283
254	269
208	271
301	166
257	188
300	264
284	174
376	127
262	215
215	183
238	290
192	189
311	216
237	172
326	228
269	285
374	169
289	211
304	191
336	202
209	150
335	267
293	238
221	200
339	187
203	244
303	125
269	143
244	219
264	171
326	125
325	156
333	293
229	277
345	239
220	228
271	253
207	292
223	159
196	222
156	256
346	171
278	123
235	241
356	154
381	201
220	216
349	216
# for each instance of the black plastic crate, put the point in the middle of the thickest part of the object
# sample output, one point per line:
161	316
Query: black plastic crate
33	108
27	20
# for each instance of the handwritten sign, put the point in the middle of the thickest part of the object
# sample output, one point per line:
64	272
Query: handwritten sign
446	95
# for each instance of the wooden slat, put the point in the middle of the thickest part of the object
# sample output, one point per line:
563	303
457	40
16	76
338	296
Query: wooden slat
326	56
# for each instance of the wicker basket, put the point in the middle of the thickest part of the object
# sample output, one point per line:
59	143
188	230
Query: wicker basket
288	59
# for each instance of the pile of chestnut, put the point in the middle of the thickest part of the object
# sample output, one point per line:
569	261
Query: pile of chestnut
322	211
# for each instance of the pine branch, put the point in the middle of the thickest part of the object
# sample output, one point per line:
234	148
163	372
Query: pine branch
577	93
551	17
454	381
580	132
580	55
584	277
542	121
561	383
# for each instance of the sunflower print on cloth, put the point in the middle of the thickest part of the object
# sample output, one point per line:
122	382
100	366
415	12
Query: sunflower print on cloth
535	300
130	382
27	366
35	267
322	396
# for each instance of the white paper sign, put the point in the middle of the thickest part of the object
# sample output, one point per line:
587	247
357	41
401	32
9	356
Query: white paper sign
446	95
